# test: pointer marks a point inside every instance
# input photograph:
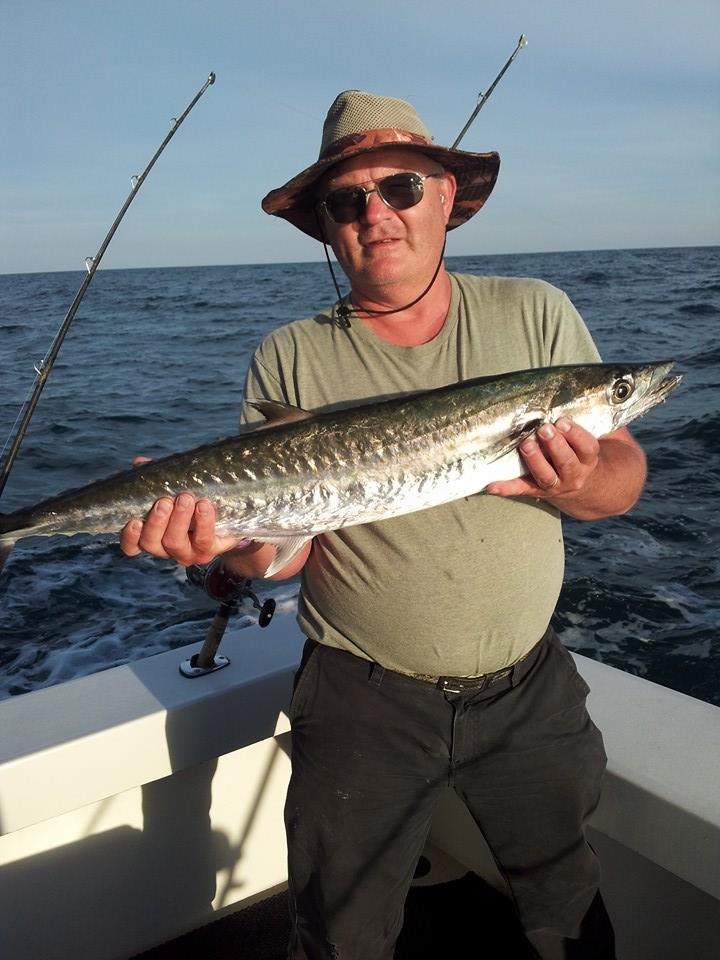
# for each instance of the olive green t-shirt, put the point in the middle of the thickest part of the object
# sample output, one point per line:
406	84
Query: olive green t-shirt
456	590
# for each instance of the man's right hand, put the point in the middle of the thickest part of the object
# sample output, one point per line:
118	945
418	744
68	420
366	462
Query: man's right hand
182	529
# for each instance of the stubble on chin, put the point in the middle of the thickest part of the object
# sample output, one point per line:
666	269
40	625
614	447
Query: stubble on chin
377	268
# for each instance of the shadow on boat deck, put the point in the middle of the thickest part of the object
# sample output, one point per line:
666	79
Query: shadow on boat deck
460	918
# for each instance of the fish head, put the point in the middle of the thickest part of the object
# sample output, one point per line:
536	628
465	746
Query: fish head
604	397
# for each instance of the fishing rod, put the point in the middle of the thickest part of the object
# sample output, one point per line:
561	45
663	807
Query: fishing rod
484	97
43	369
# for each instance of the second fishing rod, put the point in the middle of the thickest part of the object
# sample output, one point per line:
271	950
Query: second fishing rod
42	370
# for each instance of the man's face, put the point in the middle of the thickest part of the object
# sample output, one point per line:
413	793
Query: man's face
384	246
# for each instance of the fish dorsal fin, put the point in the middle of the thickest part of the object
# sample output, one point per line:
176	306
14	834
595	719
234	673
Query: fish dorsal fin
277	413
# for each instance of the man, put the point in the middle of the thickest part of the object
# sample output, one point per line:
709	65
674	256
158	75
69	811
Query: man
429	660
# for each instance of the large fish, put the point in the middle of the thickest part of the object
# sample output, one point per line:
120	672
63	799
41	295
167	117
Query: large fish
301	473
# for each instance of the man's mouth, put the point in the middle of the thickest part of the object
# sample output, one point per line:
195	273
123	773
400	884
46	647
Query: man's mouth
378	241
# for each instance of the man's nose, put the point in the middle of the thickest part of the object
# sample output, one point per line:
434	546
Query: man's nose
375	208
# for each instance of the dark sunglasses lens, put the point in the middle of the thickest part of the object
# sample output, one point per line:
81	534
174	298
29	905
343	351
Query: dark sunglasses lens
346	204
401	191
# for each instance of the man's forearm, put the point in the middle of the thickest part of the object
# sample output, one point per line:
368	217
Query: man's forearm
249	561
253	560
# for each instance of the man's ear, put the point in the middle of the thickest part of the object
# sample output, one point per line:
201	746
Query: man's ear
448	189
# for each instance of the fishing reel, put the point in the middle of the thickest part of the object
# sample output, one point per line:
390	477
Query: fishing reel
229	590
226	587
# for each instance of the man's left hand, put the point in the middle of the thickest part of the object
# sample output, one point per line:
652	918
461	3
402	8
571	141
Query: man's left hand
559	459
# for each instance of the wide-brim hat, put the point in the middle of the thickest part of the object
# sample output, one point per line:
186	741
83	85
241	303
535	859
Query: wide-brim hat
359	122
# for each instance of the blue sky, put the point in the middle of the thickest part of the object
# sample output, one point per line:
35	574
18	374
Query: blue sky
608	124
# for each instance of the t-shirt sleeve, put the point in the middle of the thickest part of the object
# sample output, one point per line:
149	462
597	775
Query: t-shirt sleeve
568	339
261	383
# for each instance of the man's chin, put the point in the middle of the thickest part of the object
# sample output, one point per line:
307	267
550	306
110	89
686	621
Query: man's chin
380	278
382	262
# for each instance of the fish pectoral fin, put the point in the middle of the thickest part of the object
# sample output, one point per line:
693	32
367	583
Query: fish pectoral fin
276	413
516	437
287	548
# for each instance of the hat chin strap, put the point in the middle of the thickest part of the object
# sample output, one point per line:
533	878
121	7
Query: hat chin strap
343	310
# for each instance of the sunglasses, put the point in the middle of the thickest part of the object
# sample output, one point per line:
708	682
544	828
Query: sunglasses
399	191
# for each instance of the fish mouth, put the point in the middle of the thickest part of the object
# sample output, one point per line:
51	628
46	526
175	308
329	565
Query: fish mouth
660	388
666	385
662	383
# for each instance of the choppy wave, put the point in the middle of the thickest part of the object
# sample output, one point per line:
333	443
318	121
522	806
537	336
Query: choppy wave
700	309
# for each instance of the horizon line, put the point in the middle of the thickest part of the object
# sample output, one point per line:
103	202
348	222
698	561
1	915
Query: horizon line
455	256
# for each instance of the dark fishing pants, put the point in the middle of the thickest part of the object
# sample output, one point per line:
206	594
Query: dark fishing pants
371	752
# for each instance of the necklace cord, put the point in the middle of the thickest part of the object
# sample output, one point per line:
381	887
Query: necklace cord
343	310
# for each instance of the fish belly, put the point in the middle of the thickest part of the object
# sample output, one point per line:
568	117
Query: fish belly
328	505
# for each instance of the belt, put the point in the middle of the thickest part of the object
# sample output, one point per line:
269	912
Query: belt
481	682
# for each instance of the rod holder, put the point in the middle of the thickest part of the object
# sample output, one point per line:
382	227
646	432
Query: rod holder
206	661
230	591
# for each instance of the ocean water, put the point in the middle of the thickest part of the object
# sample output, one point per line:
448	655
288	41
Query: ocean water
155	363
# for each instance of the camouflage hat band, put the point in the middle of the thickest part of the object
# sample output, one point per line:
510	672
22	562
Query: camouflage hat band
370	139
360	122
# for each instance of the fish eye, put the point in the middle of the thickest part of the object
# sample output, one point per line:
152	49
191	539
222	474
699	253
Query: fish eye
621	390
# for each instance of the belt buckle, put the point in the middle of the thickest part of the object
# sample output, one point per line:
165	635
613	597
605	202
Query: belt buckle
476	685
